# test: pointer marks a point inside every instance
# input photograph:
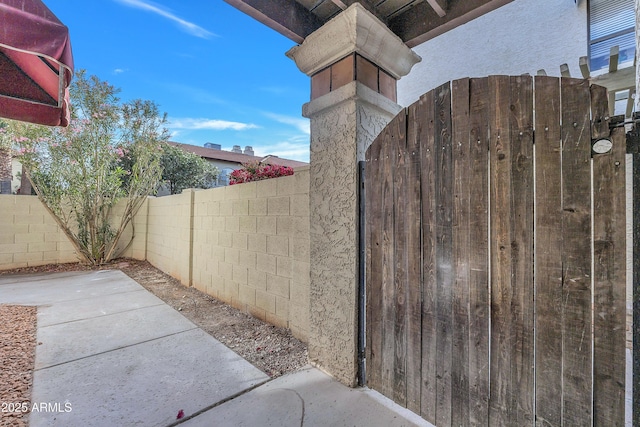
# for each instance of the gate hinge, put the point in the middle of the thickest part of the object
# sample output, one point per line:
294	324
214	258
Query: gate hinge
633	136
616	121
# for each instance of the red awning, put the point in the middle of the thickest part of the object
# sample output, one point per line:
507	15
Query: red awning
36	64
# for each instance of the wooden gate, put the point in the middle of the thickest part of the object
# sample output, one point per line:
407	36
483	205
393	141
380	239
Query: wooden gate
495	255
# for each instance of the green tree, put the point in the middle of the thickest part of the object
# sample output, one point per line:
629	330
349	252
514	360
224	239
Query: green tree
77	173
181	170
5	158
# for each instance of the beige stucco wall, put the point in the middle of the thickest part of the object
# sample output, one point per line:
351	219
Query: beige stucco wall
343	124
29	235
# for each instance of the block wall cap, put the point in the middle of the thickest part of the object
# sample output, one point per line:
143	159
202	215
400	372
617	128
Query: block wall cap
354	30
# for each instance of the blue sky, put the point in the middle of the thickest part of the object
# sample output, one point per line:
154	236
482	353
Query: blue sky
221	76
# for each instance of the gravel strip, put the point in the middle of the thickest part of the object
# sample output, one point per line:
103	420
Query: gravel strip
17	358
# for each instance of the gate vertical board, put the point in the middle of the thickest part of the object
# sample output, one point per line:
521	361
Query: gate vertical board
373	274
461	251
479	303
424	113
387	290
414	263
548	253
401	256
500	251
522	303
609	282
444	251
576	250
459	298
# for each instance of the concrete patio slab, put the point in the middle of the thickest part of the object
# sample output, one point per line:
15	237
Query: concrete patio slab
311	398
48	288
111	353
69	311
75	340
145	384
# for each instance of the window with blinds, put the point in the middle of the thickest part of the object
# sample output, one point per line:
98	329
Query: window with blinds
611	23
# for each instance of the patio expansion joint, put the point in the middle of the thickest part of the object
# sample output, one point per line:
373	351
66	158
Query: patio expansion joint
128	291
221	402
40	277
115	349
97	317
84	297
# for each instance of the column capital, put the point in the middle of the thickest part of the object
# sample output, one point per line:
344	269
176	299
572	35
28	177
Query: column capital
354	30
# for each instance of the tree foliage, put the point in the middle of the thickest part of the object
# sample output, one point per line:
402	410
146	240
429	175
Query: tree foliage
5	152
181	170
77	171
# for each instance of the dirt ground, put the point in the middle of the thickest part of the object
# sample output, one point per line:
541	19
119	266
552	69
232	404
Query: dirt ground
273	350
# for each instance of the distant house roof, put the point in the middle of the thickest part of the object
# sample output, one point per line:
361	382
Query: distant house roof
239	158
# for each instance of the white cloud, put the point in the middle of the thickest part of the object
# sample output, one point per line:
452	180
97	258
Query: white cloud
295	148
210	124
300	123
119	71
187	26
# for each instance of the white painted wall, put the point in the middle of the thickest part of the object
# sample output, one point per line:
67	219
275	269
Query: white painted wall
16	171
520	37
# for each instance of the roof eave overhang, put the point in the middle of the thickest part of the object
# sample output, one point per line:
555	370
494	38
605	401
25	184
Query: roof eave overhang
414	25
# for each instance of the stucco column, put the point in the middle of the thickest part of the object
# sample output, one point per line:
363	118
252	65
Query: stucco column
354	62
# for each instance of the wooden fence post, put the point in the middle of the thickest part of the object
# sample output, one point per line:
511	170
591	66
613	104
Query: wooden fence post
633	148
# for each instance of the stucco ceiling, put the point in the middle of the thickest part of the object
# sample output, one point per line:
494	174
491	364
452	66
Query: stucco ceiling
414	21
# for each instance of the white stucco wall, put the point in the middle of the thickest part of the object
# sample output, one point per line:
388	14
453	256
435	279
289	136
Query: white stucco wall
16	170
521	37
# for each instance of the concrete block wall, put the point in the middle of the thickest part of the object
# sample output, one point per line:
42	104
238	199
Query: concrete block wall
29	236
247	244
251	248
168	236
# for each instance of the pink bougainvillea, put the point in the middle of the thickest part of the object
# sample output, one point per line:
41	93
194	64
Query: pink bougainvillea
256	172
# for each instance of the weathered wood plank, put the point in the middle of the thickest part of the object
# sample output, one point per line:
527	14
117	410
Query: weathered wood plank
414	262
444	255
600	112
521	214
387	155
548	253
500	244
439	6
461	253
479	304
635	183
576	233
399	140
609	281
373	183
425	111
